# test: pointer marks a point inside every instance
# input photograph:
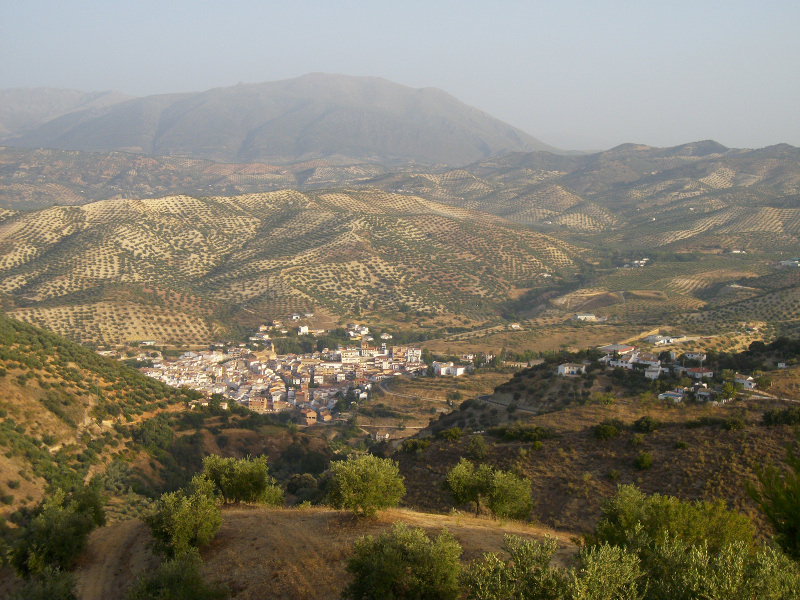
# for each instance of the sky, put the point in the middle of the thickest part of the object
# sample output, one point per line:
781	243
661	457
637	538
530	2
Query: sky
580	75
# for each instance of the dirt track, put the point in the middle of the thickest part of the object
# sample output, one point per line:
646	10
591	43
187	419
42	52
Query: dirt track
116	555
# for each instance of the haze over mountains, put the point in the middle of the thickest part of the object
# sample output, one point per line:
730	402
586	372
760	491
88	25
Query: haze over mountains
314	116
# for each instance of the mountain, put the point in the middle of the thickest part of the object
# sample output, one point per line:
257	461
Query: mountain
314	116
23	109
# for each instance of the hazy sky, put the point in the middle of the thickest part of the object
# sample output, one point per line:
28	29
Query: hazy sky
589	74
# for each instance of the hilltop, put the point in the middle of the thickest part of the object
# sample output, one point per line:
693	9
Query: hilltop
268	553
314	116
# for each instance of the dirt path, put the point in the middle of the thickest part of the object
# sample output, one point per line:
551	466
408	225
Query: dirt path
116	555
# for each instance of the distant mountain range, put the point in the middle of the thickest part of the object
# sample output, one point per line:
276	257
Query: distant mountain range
310	117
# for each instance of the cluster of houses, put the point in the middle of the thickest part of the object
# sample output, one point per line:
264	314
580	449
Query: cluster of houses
266	382
628	357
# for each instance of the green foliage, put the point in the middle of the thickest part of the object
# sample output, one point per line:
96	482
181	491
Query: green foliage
778	416
415	445
506	494
177	578
696	523
602	572
452	434
646	424
643	461
58	531
476	447
636	440
242	480
49	584
778	496
404	563
606	573
185	519
526	574
521	433
607	430
365	484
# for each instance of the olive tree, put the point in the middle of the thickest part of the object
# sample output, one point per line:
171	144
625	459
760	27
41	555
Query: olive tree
404	563
365	484
242	480
505	494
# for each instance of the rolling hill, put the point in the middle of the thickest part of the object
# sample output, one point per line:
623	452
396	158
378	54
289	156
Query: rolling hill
177	268
314	116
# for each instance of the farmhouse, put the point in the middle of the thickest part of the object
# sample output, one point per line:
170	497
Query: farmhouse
676	395
584	317
700	373
745	381
448	369
571	369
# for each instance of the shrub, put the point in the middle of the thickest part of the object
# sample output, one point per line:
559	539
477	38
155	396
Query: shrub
185	519
778	496
404	563
242	480
50	584
452	434
646	424
58	532
607	430
365	484
537	445
636	440
733	424
476	447
613	474
694	522
643	461
681	445
178	578
526	574
415	445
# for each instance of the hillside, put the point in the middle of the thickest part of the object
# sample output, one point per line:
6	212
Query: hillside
265	554
178	268
63	409
313	116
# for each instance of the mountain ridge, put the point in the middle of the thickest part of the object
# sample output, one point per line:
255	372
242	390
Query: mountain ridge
316	115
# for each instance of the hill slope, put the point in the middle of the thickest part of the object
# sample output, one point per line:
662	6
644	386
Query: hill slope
101	272
316	115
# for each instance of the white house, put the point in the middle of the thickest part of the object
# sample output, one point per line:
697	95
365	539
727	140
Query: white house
571	369
653	372
745	381
584	317
302	330
448	369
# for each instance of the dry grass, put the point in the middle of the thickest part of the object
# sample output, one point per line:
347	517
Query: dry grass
266	553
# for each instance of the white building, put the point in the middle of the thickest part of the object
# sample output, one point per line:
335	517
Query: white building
571	369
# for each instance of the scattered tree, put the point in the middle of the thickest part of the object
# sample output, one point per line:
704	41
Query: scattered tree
242	480
404	563
365	484
506	494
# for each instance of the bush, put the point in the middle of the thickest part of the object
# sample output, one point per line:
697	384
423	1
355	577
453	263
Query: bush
733	424
49	584
506	494
242	480
636	440
681	445
607	430
58	531
646	424
694	522
404	563
185	519
526	574
778	496
452	434
415	445
178	578
365	484
476	447
643	461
